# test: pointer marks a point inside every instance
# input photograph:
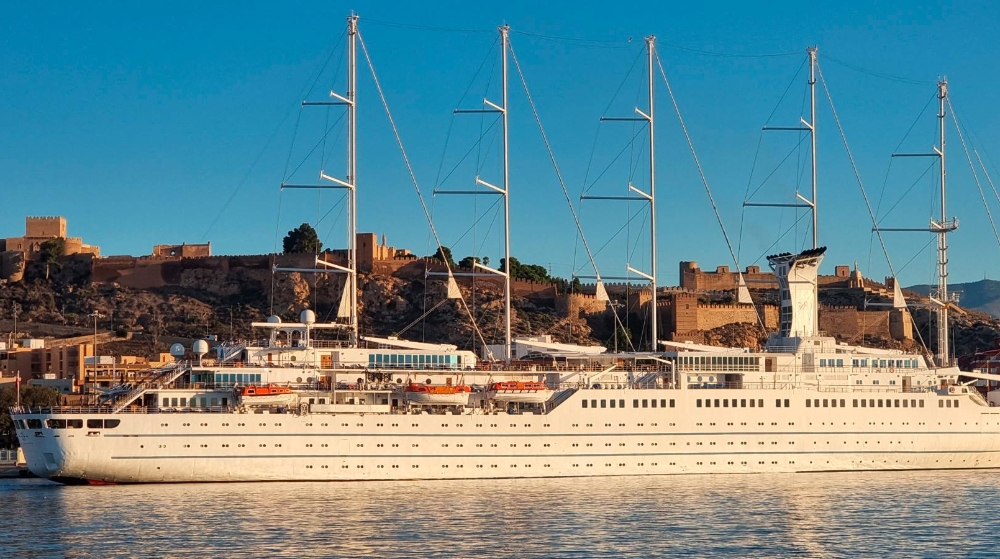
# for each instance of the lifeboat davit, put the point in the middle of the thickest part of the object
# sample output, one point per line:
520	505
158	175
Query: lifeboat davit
268	395
438	394
520	391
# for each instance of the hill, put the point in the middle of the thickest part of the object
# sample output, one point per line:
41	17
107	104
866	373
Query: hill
982	295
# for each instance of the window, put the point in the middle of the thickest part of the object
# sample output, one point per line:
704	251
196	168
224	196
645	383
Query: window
825	402
864	403
956	403
645	403
743	403
604	403
653	403
716	402
880	403
635	403
697	403
593	403
786	403
111	423
621	404
612	403
816	402
895	403
584	403
725	403
95	423
906	403
777	403
752	402
856	403
921	403
842	402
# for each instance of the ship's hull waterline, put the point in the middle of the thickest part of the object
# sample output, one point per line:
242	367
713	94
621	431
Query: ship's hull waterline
570	440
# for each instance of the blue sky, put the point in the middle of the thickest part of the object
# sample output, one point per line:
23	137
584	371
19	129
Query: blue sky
175	123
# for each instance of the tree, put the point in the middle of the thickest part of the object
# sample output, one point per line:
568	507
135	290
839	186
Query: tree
50	251
302	239
486	261
575	286
31	396
468	262
444	254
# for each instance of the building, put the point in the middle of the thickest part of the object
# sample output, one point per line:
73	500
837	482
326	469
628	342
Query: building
183	250
37	230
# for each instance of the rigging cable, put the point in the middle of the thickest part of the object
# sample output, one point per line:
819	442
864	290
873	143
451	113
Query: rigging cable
975	175
413	177
701	173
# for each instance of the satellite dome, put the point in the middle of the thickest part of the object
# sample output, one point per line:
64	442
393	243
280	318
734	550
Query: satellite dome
200	348
274	319
177	350
308	317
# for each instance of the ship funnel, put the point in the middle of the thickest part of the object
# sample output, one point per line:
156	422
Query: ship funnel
797	280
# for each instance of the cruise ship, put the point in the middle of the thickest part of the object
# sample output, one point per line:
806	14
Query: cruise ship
293	407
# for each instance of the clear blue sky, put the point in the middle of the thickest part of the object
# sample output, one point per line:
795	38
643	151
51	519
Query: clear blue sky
138	123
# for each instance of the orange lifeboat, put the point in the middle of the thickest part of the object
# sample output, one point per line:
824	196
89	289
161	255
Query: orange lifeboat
267	395
521	391
437	394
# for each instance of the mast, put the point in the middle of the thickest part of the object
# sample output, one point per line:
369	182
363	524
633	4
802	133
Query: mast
809	127
812	138
637	194
944	358
349	184
650	53
941	228
504	29
352	173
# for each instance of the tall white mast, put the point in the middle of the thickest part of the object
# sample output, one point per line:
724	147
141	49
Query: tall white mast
503	190
812	139
504	29
352	172
348	183
809	127
941	228
639	194
650	53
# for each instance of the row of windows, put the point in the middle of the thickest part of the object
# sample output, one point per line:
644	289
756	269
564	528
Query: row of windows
725	403
391	359
204	402
870	403
646	403
237	378
727	360
67	423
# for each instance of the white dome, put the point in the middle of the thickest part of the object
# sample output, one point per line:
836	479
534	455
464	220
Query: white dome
307	317
274	319
200	348
177	350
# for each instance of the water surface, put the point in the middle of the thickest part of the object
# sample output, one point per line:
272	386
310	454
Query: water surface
925	514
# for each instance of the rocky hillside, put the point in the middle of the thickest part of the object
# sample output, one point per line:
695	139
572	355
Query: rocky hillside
225	302
982	296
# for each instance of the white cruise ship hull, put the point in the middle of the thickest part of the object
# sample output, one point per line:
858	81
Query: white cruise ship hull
569	440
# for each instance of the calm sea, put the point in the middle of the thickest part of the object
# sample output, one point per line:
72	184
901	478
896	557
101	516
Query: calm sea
908	514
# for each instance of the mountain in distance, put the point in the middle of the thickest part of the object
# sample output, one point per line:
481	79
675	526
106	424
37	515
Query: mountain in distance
982	295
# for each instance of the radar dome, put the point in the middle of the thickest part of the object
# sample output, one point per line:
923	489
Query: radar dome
200	348
274	319
308	317
177	350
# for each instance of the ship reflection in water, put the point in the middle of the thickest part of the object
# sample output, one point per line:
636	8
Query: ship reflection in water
841	514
